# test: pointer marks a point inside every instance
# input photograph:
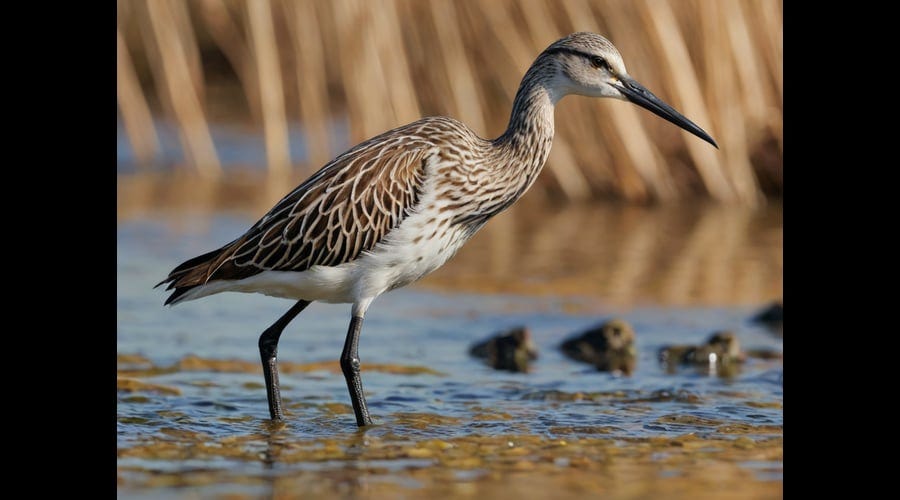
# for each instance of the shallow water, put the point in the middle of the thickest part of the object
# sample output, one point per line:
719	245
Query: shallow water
192	414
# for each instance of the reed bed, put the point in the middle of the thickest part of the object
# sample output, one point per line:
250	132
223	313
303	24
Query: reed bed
378	64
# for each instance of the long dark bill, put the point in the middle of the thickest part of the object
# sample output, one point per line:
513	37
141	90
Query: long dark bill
638	94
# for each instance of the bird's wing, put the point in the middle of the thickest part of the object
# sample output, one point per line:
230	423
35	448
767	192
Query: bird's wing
345	209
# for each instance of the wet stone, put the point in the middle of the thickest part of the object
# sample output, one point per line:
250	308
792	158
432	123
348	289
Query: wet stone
608	346
510	350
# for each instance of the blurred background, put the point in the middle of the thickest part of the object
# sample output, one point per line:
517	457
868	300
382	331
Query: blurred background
228	104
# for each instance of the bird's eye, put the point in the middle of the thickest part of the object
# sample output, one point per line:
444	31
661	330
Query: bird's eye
599	63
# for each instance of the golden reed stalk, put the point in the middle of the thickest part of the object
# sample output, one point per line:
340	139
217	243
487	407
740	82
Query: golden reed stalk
377	64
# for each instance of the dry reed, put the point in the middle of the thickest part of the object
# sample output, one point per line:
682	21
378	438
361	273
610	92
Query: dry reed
381	63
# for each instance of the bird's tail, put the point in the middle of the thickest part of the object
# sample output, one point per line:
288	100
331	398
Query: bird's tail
190	274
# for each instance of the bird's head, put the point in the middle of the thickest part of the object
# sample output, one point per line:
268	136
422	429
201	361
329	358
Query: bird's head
588	64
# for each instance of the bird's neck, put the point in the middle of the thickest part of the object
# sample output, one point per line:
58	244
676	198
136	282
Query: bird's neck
516	157
525	145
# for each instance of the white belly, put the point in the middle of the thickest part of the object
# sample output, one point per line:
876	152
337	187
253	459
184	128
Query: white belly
407	254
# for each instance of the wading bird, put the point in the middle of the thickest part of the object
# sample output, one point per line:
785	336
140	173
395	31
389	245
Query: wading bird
396	207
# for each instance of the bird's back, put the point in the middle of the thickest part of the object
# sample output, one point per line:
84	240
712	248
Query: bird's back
348	207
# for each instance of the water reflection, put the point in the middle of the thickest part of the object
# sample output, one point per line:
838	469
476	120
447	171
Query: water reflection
673	254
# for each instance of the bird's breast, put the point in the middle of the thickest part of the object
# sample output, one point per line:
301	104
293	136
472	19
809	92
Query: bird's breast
421	244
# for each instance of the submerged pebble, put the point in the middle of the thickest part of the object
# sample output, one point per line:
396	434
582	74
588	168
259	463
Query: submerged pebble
772	317
608	346
508	350
720	353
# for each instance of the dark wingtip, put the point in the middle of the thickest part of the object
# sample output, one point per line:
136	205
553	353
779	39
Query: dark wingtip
176	275
176	295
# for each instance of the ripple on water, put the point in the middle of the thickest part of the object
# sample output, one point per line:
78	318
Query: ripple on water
191	407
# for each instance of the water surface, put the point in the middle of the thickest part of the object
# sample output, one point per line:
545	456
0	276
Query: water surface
191	406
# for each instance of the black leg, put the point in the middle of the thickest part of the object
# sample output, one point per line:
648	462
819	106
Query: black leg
268	351
350	367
